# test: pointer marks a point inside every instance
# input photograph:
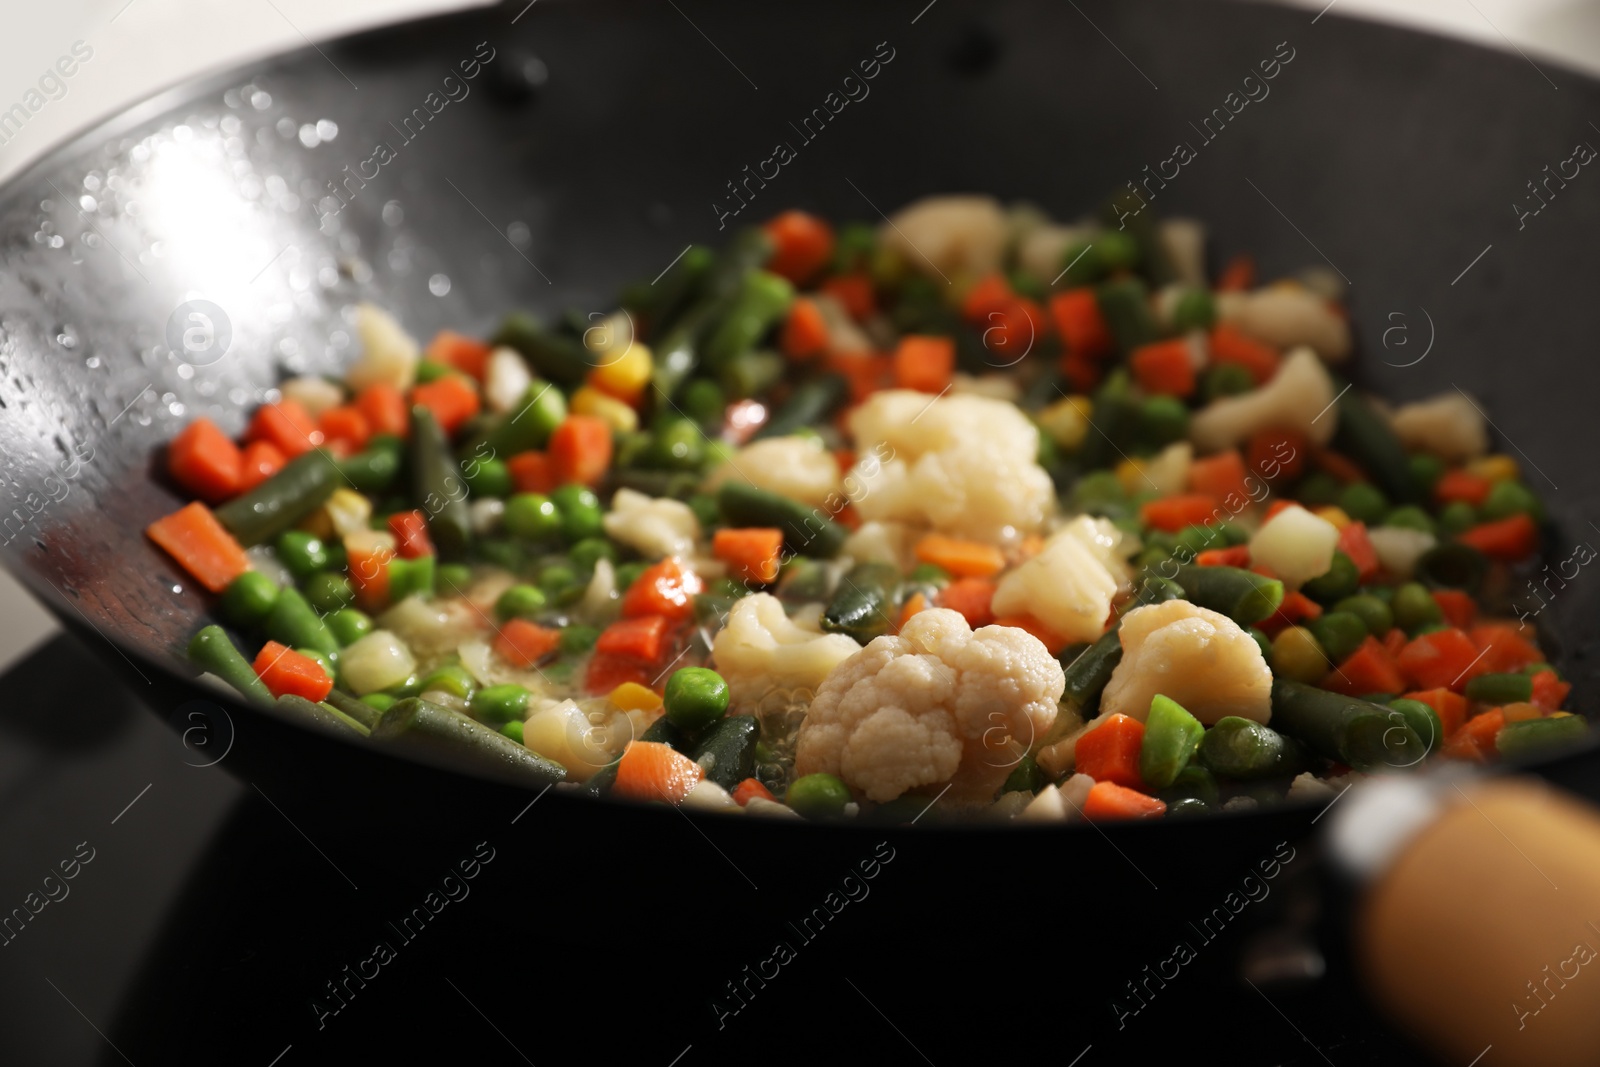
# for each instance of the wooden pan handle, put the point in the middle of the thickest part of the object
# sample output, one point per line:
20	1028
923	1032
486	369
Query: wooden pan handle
1483	934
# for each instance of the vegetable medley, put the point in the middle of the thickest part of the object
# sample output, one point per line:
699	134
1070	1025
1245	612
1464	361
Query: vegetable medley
1034	519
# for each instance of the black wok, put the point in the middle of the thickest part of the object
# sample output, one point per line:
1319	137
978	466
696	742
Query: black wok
1390	156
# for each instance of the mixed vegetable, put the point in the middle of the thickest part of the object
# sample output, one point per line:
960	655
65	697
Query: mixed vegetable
1034	518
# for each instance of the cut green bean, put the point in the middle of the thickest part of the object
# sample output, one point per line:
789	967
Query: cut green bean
325	716
1366	437
809	404
425	729
1247	750
1500	688
861	602
213	652
374	468
1530	735
1241	595
1356	732
282	500
437	486
294	622
806	530
761	300
1171	736
362	710
551	355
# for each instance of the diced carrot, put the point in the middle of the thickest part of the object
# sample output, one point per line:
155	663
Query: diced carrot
522	643
1549	691
1083	329
1295	609
914	603
805	331
1458	608
1232	556
1504	648
1475	740
287	425
1394	641
385	409
990	295
205	461
1450	707
1164	367
802	245
926	364
1274	453
1238	275
347	424
1343	469
1369	669
605	672
1521	711
410	529
1009	332
1110	752
198	542
964	559
531	472
1461	485
749	789
452	398
262	459
855	292
752	553
1109	801
1507	540
580	450
666	589
1354	542
466	354
1173	513
1052	641
1082	374
864	371
650	770
285	671
1444	658
369	574
972	597
1228	345
1220	476
641	637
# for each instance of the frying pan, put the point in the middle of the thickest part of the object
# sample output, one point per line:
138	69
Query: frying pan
595	144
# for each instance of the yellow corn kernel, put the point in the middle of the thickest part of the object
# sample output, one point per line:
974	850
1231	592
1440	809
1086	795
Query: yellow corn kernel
1497	468
614	413
1067	421
1520	712
1130	472
348	511
1332	514
318	524
624	373
631	696
1560	715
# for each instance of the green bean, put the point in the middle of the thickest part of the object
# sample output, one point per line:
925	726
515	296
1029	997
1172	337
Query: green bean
752	373
1125	305
294	622
424	729
1241	595
437	487
1116	421
1500	688
373	469
361	710
411	577
806	530
1194	782
678	354
669	294
1517	738
761	300
810	403
1125	216
1171	736
325	716
1194	310
282	500
1247	750
727	749
212	651
551	355
1452	565
501	703
1365	436
526	426
861	603
1026	777
451	678
249	598
1356	732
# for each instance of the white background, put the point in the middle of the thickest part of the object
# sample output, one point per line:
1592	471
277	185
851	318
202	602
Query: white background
141	46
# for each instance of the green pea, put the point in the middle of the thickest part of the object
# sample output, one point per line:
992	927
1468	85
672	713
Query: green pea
382	701
1426	471
580	513
1194	310
328	592
349	625
301	552
1364	502
818	796
577	639
591	550
1414	607
431	370
1410	517
929	574
338	558
533	517
489	477
1082	263
704	401
1422	719
411	577
1339	633
695	698
249	598
1509	498
1340	580
628	573
557	578
1151	558
453	679
504	553
1319	489
1371	610
1118	250
1457	517
454	578
1225	379
520	602
1163	420
705	509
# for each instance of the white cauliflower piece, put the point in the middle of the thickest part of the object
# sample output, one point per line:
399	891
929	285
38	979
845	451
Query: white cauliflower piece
797	467
760	648
655	527
1288	316
505	380
1295	545
1399	547
1185	242
945	235
1042	251
845	338
1070	584
937	703
966	465
313	393
1198	657
1167	471
389	355
581	741
1449	426
1296	398
1061	803
882	542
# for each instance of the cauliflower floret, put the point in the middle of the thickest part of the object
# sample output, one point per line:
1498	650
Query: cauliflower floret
1070	584
937	703
656	527
882	542
760	648
1297	398
1198	657
966	465
796	467
581	741
944	235
389	355
1449	426
1286	316
1295	545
